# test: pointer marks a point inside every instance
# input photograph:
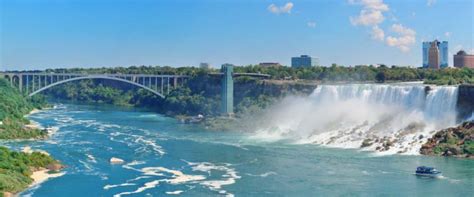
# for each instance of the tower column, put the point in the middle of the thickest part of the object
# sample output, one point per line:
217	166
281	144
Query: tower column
227	90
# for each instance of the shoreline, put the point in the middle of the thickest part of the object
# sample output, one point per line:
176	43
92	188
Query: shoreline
41	176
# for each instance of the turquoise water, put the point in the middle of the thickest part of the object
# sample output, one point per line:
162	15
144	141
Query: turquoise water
163	157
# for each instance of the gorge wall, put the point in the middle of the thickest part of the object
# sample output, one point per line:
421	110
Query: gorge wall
465	103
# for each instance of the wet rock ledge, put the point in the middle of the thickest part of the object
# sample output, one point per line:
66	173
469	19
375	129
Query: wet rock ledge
456	142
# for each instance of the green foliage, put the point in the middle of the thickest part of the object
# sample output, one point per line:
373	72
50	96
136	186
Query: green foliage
16	167
439	149
13	107
468	147
452	140
380	77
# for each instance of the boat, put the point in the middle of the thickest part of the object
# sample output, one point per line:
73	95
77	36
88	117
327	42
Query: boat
427	171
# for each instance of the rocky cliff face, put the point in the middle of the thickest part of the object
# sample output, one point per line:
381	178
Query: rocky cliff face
457	141
465	103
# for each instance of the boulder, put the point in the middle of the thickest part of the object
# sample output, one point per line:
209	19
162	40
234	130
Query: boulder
54	167
115	160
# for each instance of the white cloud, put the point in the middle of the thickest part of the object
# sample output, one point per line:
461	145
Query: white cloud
311	24
285	9
405	39
377	33
447	34
399	28
471	52
371	4
368	18
371	14
430	2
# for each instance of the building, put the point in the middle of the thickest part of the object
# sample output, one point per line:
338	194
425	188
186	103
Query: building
434	57
269	64
462	59
304	61
204	65
443	53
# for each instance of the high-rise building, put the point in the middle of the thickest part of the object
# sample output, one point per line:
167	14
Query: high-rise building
462	59
433	56
304	61
443	53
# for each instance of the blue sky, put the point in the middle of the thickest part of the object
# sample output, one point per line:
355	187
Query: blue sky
38	34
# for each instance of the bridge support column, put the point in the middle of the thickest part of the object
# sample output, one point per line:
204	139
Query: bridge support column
20	82
227	94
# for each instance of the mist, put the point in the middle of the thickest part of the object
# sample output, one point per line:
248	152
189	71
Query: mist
346	115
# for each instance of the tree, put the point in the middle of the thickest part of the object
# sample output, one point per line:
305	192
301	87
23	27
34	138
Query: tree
380	77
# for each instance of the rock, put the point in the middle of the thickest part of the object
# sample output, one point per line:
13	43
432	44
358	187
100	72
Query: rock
115	160
456	141
54	167
366	143
448	153
27	150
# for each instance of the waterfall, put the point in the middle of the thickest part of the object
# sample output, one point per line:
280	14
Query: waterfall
383	118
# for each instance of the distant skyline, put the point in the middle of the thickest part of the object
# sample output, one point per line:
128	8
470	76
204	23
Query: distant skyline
43	34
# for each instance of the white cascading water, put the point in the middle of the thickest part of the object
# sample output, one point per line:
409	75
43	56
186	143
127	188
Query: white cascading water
387	119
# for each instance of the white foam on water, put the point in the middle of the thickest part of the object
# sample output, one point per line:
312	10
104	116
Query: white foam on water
230	175
106	187
395	118
87	166
137	140
157	148
91	158
177	177
146	186
138	178
263	174
174	177
177	192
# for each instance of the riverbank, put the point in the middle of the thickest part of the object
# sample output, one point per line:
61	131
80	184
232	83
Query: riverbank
39	176
43	175
20	170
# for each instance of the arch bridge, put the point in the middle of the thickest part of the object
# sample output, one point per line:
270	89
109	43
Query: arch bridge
34	83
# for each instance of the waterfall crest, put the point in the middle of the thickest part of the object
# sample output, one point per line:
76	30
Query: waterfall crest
384	118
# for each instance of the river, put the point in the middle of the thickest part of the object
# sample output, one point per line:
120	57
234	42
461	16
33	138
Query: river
165	157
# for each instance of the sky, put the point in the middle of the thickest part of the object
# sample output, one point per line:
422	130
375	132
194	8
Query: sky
39	34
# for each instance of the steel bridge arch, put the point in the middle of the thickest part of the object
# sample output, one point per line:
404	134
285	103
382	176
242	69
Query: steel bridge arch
96	77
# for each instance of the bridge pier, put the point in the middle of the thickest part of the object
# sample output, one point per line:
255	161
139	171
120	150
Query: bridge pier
227	94
20	82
